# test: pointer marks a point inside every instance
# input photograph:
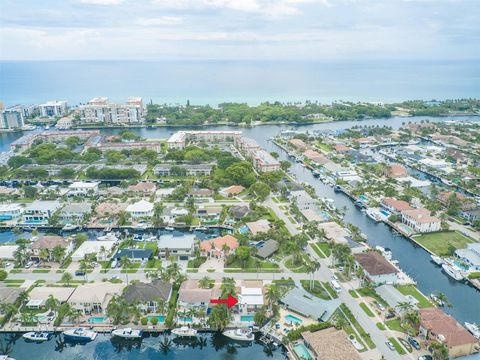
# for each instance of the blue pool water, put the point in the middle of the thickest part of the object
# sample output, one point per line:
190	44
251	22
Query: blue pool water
246	318
97	319
362	197
302	352
243	230
186	319
385	212
161	318
293	319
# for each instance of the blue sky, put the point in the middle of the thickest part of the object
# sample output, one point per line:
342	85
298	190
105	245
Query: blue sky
240	29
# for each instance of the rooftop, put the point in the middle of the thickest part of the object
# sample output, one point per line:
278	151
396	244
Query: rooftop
331	344
375	264
144	292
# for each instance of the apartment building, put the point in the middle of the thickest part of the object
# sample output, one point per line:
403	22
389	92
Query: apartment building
100	110
53	108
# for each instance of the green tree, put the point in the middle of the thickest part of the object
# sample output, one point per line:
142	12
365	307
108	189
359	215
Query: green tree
243	253
66	278
125	264
260	316
29	192
205	283
261	190
219	317
17	161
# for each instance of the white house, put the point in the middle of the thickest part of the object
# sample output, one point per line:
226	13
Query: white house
191	296
10	211
140	209
101	249
94	298
378	269
79	188
303	200
251	297
181	246
40	211
420	220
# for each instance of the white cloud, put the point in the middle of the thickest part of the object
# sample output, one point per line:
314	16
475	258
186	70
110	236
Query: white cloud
102	2
163	20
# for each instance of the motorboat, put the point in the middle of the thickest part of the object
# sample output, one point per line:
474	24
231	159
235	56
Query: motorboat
239	334
386	252
474	329
128	333
201	228
453	273
80	334
437	259
140	226
108	237
184	331
69	227
436	300
372	214
137	237
38	336
169	228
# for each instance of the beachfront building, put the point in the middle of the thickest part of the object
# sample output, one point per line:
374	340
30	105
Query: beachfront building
47	244
179	246
180	139
39	211
219	247
140	209
53	108
420	220
82	188
12	118
378	269
10	211
93	298
262	160
147	296
100	110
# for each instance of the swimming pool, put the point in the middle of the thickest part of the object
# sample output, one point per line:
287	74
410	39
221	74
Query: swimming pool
96	319
247	318
362	197
41	318
302	352
161	318
293	319
186	319
385	212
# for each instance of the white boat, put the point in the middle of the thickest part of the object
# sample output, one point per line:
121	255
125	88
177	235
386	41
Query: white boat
201	228
437	259
127	333
436	300
69	227
37	336
184	331
108	237
140	226
387	253
80	334
170	228
6	357
474	329
239	334
455	274
372	214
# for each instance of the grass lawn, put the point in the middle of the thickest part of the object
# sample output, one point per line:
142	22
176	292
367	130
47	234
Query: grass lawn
397	346
474	275
366	309
330	290
325	247
41	271
443	243
132	269
353	293
253	265
366	291
298	268
365	336
318	290
13	281
423	302
380	326
394	325
153	264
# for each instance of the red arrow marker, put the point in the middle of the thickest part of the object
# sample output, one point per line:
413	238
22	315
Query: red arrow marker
230	301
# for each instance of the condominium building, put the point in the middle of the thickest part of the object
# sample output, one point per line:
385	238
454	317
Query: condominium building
13	117
54	108
100	110
180	139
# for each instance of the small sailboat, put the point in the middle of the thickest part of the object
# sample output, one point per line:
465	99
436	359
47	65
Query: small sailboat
127	333
184	331
80	334
474	329
37	336
239	334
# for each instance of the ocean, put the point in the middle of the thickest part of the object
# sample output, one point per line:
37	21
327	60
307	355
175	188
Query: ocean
214	82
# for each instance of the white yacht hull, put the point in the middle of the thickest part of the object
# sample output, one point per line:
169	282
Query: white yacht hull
127	333
235	334
452	272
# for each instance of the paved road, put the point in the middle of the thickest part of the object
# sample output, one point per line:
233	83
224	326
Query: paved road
292	228
464	229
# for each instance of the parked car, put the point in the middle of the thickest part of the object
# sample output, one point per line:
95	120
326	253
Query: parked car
79	273
414	343
390	345
425	357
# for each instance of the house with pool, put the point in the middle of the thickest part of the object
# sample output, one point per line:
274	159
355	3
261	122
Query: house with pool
39	212
251	297
192	296
93	298
328	343
148	296
179	246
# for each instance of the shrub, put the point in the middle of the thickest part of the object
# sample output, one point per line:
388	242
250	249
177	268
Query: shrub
144	321
154	321
3	275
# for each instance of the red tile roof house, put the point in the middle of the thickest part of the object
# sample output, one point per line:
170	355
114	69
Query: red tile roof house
465	203
299	144
49	243
231	190
219	247
395	206
341	149
143	187
438	326
378	269
420	220
316	157
395	171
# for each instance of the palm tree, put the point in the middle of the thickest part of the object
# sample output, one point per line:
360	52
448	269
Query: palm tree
125	264
51	303
58	253
84	266
443	299
44	255
404	307
205	283
340	322
228	286
273	295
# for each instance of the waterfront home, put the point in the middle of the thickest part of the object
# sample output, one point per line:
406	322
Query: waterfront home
303	200
180	139
8	191
7	252
191	296
180	246
420	220
316	157
140	209
219	247
434	163
75	213
250	296
93	298
378	269
144	188
39	211
330	343
465	203
395	206
10	211
231	190
259	226
39	295
393	297
135	255
395	171
341	148
266	249
438	326
9	294
299	144
470	255
239	211
109	209
302	302
170	214
471	215
212	212
46	244
200	193
335	232
101	249
146	296
183	170
82	188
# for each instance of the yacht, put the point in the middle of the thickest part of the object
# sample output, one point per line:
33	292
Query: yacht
184	331
80	334
37	336
127	333
437	259
137	237
108	237
140	226
201	228
372	214
386	252
170	228
474	329
455	274
239	334
436	300
69	227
